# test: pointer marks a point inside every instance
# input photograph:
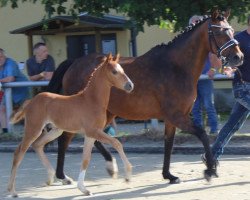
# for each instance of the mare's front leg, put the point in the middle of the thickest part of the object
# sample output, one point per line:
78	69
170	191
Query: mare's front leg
168	141
38	146
87	149
63	143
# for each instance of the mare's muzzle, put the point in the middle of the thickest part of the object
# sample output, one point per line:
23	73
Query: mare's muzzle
235	59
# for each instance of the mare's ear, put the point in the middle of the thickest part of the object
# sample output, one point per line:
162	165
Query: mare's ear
227	13
214	13
117	58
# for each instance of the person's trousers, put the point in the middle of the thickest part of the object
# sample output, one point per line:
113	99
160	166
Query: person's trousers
205	98
238	116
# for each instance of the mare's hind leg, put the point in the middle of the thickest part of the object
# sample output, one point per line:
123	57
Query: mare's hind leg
38	146
111	165
169	140
88	146
185	124
19	153
103	137
63	143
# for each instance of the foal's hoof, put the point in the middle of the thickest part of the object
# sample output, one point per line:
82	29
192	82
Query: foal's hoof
87	193
208	174
14	195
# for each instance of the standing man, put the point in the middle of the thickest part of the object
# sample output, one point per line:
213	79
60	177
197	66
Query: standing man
10	72
40	66
241	91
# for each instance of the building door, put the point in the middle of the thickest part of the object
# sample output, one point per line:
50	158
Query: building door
79	45
82	45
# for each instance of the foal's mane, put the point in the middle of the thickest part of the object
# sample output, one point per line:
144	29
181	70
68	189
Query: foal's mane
93	74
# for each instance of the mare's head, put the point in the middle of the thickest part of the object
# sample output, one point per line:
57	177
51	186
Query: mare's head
222	40
116	74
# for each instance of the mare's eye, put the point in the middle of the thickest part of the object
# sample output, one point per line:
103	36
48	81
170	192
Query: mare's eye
114	72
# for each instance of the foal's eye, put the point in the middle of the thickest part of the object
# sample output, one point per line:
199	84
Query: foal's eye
114	72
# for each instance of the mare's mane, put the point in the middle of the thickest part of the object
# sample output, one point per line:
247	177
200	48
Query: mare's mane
186	30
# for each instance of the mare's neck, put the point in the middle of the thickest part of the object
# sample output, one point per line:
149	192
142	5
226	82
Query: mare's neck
196	48
98	89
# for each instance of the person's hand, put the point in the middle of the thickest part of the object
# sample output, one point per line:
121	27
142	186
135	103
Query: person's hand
42	74
211	73
229	71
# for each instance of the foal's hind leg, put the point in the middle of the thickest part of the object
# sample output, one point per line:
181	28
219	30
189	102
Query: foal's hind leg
19	153
38	146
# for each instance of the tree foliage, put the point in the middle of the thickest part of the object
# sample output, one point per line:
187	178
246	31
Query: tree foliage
172	14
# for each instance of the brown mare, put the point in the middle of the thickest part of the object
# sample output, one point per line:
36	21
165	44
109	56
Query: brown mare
84	112
165	81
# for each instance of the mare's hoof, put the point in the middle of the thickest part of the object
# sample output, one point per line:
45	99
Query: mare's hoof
176	180
172	179
66	181
112	168
208	174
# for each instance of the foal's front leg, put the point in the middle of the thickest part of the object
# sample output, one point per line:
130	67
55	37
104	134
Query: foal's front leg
88	146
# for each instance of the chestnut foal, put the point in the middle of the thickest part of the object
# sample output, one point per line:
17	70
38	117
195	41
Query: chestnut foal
84	112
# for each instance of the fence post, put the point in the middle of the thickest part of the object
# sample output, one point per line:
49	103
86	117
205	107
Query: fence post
9	106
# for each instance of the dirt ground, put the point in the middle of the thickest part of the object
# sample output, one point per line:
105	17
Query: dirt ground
146	183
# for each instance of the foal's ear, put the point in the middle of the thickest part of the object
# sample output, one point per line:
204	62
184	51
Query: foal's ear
117	58
227	13
215	13
109	57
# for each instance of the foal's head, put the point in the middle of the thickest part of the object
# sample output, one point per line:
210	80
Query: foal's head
116	74
221	39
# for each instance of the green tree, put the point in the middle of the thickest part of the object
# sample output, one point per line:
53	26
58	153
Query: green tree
172	14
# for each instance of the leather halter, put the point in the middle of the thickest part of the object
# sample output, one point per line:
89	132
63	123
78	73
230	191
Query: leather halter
211	36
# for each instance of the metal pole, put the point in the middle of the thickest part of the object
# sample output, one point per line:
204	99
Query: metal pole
9	107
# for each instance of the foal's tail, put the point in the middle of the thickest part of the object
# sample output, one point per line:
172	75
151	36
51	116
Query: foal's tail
19	114
55	84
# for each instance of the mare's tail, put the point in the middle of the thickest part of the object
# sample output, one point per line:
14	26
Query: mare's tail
19	114
55	84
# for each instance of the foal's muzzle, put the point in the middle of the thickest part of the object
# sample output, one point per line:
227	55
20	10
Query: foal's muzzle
129	86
